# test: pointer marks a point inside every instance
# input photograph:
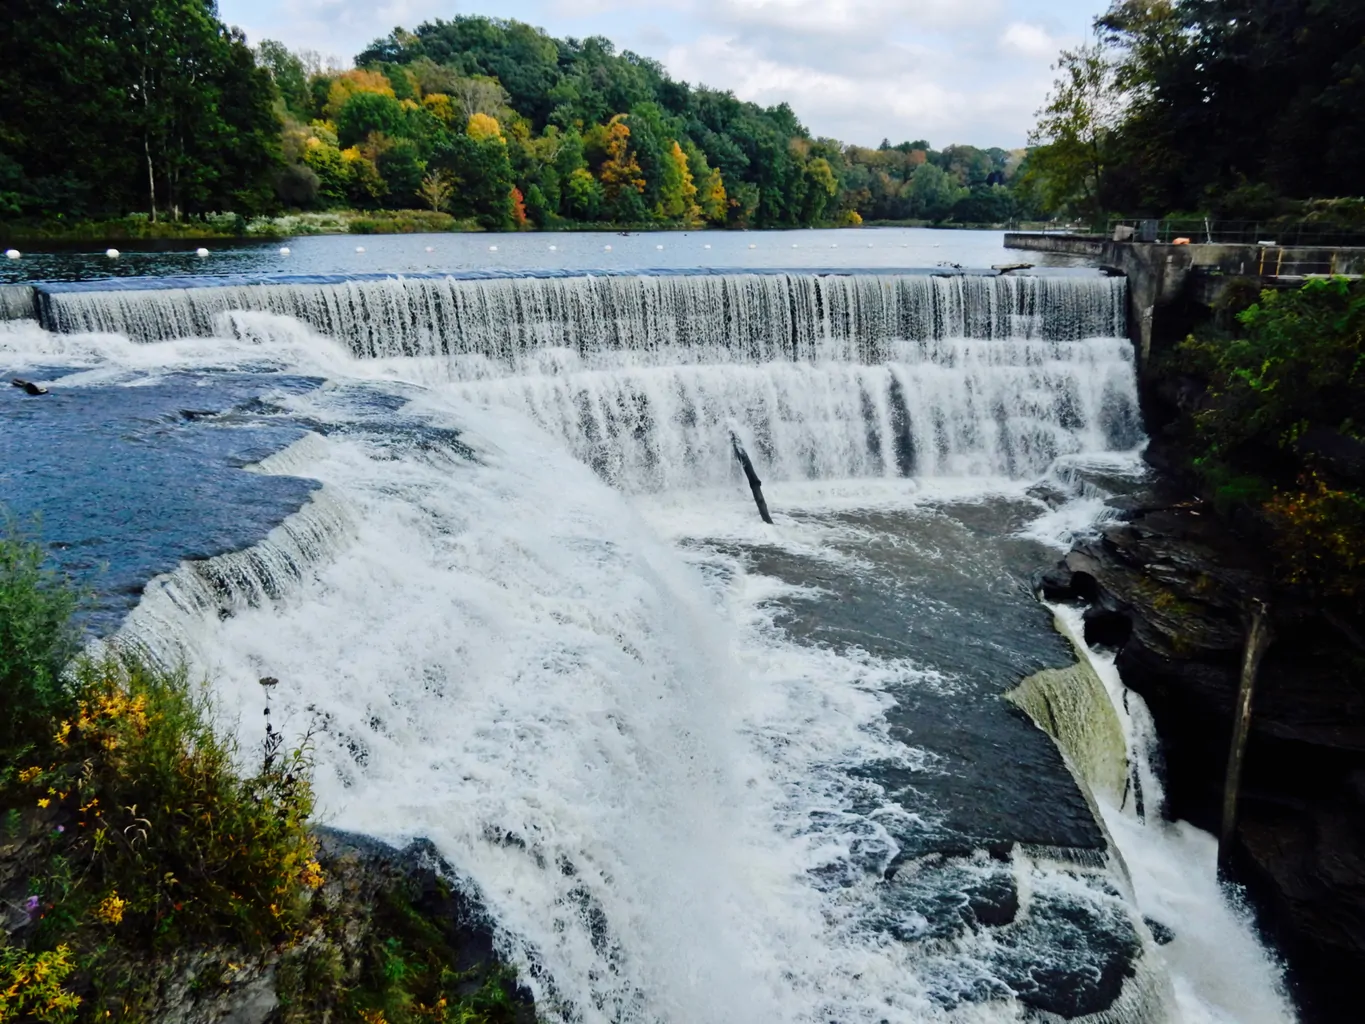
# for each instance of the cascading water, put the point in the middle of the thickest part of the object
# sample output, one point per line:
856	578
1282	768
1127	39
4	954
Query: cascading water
699	769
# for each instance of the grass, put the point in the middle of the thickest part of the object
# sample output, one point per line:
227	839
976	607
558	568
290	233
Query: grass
228	225
145	861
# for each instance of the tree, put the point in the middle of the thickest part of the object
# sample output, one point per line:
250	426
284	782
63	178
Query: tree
622	180
1075	131
482	128
714	202
677	193
341	89
367	113
583	195
436	189
399	163
932	193
288	74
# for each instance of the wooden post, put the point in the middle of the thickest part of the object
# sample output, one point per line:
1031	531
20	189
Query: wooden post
755	484
1259	636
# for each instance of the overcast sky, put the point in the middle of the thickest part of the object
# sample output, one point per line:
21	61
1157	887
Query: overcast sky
971	71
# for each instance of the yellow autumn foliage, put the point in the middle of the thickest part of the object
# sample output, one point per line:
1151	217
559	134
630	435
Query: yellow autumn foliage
482	127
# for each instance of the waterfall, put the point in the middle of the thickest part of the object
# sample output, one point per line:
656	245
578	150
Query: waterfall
674	810
753	316
1218	968
646	377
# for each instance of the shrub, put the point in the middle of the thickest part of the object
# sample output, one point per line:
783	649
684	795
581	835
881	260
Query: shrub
31	986
37	639
1281	427
172	844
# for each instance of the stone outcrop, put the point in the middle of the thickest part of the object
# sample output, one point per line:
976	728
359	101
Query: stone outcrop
1169	586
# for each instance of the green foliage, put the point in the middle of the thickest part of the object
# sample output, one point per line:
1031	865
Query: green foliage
165	110
1281	429
1221	105
37	639
31	986
367	113
1075	132
169	842
406	971
115	106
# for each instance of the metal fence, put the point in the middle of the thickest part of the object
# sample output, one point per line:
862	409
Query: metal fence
1303	234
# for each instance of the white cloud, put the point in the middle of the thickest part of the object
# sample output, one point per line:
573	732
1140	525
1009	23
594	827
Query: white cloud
1029	40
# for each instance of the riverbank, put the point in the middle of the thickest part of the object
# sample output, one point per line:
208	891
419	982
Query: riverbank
220	226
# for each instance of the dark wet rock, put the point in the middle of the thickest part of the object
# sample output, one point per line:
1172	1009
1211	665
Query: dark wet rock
1106	626
1067	951
1163	934
1056	585
29	388
1183	580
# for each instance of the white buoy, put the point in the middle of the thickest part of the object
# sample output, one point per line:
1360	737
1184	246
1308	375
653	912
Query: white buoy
834	245
284	250
794	245
752	246
430	249
658	247
606	248
359	248
869	245
553	248
707	245
494	248
111	253
201	251
12	254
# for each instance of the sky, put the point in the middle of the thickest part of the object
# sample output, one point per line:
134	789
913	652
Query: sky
949	71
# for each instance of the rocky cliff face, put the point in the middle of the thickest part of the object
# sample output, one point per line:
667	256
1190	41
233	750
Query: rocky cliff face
1170	586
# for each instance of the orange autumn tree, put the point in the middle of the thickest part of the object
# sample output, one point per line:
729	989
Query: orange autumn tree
518	208
621	170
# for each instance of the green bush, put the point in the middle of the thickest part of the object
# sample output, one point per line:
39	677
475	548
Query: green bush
37	639
172	844
1286	390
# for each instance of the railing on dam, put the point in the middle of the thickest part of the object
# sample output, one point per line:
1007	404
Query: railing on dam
1210	231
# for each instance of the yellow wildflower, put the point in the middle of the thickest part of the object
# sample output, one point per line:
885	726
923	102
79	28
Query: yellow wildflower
63	732
29	774
111	910
311	876
44	802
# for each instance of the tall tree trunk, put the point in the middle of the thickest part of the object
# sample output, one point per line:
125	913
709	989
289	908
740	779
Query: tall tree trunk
147	144
151	175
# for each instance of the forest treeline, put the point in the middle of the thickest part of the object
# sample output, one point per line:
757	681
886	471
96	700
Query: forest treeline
154	106
1238	108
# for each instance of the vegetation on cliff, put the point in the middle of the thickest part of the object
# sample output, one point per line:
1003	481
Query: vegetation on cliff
142	870
1279	429
486	119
